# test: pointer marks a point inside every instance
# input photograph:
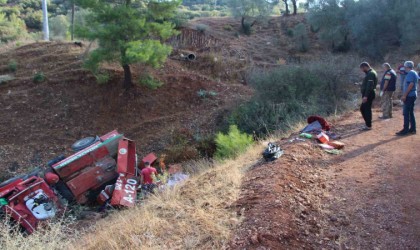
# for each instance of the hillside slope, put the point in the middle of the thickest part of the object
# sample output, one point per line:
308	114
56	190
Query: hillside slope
41	120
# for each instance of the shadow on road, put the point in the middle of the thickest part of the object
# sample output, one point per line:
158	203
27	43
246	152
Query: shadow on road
361	150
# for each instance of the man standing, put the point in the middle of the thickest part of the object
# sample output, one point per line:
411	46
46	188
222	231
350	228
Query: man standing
368	94
148	173
401	71
387	90
409	98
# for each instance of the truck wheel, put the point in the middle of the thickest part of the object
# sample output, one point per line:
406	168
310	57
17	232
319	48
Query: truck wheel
83	143
64	191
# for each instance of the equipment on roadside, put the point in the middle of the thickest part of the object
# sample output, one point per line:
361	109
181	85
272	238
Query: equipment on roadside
272	152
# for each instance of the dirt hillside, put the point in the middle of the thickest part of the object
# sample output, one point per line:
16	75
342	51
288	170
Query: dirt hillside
39	121
365	198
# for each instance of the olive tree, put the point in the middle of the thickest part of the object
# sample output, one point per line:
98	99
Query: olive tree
372	27
328	18
250	11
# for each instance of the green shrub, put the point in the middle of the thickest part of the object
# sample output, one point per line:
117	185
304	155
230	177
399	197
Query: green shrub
206	7
289	32
36	36
287	94
12	66
228	27
59	27
102	78
232	144
33	19
202	27
314	29
181	147
11	27
38	77
300	36
195	8
206	145
150	82
180	20
204	93
206	14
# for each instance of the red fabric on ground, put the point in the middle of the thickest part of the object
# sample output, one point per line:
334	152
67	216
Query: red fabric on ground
325	125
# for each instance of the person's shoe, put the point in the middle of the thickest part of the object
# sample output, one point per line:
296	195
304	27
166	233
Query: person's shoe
383	117
412	131
365	128
402	133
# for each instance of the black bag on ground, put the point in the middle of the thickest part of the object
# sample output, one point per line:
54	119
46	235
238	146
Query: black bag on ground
272	152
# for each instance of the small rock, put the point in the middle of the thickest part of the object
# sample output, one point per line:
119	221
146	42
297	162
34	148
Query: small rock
254	239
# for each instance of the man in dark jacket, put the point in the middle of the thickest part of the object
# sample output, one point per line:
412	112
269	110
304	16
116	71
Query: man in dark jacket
368	94
388	87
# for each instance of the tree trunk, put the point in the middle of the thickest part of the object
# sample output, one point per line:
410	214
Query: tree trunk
287	7
128	83
72	20
294	7
243	23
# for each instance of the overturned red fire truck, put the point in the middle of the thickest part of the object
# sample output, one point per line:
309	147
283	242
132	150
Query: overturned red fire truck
103	170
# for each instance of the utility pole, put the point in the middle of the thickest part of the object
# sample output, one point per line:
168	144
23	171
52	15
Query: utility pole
45	27
72	20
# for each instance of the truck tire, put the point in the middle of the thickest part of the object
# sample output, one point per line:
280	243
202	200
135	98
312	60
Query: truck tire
64	191
55	160
83	143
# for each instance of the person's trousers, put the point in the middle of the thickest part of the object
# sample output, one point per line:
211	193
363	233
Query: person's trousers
387	104
408	110
402	81
366	110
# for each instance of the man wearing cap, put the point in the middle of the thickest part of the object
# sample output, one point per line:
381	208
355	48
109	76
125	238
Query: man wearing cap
368	94
388	83
409	98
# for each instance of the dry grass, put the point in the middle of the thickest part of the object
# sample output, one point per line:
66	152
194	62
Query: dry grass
196	215
55	236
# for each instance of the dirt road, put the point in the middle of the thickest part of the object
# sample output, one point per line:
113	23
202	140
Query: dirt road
365	198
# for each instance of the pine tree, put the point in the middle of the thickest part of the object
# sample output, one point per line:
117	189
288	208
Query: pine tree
128	31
